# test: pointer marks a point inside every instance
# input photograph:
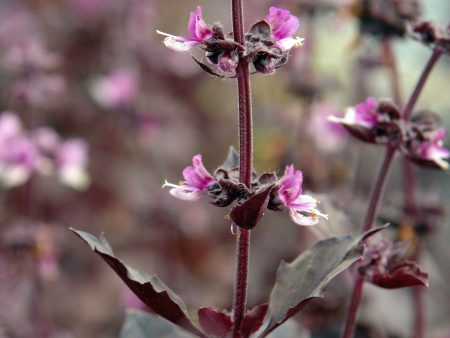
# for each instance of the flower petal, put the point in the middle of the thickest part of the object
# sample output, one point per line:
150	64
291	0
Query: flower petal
179	45
304	203
283	24
290	185
300	219
196	175
185	194
197	28
289	43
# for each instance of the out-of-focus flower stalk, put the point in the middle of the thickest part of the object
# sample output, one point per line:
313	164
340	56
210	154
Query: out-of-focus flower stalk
245	167
420	84
372	209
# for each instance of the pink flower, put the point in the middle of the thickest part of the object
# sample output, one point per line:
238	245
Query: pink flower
434	151
196	181
71	162
115	90
363	114
329	137
284	25
67	159
302	208
18	155
198	30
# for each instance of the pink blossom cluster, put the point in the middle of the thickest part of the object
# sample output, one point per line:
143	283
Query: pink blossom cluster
267	43
289	193
41	150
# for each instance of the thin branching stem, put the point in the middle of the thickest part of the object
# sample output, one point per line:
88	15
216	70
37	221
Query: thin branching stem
372	211
375	198
421	83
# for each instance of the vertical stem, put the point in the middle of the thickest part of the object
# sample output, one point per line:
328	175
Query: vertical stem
418	326
350	323
372	210
409	181
420	84
245	168
377	191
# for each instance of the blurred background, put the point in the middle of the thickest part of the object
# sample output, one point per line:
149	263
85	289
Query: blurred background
116	113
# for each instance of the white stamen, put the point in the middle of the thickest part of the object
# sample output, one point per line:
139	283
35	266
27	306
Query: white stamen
167	184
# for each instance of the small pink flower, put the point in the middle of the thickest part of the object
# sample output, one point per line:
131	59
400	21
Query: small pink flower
115	90
71	163
46	139
196	181
328	136
363	114
302	208
284	25
433	150
18	155
198	30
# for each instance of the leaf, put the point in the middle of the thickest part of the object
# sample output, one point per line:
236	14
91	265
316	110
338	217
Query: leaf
140	324
232	160
149	289
215	322
306	277
403	275
253	320
248	214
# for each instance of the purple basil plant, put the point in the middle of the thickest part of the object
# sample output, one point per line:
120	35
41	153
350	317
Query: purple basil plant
247	195
266	47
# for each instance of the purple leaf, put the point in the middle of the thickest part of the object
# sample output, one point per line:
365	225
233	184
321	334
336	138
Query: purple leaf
400	276
307	276
215	322
248	214
149	289
253	320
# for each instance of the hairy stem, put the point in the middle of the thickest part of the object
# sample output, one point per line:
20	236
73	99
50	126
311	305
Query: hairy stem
245	168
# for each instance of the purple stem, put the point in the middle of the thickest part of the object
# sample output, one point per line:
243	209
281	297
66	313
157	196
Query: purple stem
419	322
420	84
350	323
245	168
372	210
409	183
